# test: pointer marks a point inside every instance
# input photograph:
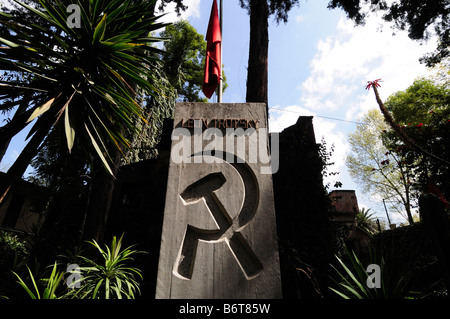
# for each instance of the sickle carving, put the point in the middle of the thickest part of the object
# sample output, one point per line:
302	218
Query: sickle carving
229	229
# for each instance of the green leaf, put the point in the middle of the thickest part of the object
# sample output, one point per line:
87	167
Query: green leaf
352	290
99	32
30	70
39	13
97	9
99	152
85	18
41	110
107	288
97	287
25	287
50	54
63	44
69	128
352	276
9	43
121	46
119	10
340	293
46	294
59	18
6	15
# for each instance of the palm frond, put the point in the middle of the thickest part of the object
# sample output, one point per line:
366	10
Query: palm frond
105	62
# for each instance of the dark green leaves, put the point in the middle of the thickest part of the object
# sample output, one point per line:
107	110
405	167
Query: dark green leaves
88	76
99	31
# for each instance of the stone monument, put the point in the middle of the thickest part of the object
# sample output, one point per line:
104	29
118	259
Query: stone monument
219	232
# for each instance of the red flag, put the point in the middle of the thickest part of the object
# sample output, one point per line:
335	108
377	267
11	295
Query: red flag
213	59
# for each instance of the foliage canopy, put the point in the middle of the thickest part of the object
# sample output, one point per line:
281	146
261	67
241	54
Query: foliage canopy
84	79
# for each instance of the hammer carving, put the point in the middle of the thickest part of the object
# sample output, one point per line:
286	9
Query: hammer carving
206	188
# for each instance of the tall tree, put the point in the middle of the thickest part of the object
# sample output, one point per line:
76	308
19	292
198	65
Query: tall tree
184	59
257	72
377	170
423	112
259	12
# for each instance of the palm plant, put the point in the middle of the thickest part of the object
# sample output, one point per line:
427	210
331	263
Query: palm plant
84	78
365	221
113	279
351	283
49	291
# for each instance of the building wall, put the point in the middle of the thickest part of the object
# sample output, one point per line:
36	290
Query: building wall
344	205
21	209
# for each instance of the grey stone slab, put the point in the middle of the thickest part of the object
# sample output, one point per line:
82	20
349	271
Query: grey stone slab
219	233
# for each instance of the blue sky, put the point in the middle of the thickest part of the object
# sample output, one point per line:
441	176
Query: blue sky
319	63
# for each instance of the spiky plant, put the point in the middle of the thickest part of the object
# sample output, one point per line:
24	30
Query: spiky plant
83	75
111	278
365	221
352	280
49	291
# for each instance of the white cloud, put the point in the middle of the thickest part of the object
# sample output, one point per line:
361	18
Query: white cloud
299	18
341	67
192	11
345	61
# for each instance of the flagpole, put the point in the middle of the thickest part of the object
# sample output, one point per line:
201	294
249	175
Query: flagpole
219	96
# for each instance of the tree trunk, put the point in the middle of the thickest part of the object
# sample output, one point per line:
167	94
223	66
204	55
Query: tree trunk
17	123
257	73
16	171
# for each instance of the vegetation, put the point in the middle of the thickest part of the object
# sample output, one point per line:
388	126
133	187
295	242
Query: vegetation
414	134
49	291
83	79
365	221
13	256
352	282
402	152
184	60
412	131
95	97
416	16
423	112
69	169
110	279
412	249
375	168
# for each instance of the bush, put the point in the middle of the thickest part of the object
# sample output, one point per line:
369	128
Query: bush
13	255
108	278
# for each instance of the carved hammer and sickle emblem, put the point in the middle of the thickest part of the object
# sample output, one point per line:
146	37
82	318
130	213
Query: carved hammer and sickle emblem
229	229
